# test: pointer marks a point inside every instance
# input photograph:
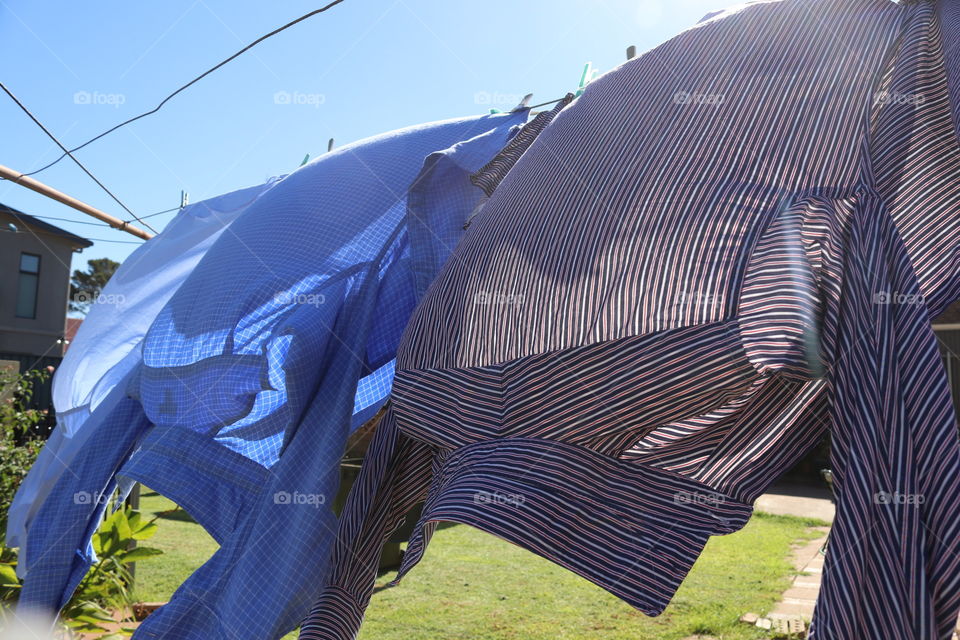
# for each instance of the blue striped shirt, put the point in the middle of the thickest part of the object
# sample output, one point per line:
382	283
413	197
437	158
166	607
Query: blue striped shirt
722	250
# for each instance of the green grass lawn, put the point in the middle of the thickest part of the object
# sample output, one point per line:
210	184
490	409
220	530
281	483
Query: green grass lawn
185	547
474	586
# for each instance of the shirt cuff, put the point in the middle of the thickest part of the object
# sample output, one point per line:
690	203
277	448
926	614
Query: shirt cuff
337	615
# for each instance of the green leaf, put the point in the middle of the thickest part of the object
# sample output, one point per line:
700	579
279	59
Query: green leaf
98	540
145	531
139	553
8	575
89	613
110	543
122	524
112	521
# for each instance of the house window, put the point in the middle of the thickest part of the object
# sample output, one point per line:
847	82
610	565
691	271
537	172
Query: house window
28	285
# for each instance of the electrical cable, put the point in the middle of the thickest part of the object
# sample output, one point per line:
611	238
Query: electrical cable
67	152
183	87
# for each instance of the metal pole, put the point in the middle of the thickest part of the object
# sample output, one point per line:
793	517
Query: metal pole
133	500
59	196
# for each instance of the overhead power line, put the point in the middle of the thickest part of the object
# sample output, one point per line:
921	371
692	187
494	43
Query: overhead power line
67	153
185	86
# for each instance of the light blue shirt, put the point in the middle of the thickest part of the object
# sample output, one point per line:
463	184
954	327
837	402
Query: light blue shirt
274	349
107	346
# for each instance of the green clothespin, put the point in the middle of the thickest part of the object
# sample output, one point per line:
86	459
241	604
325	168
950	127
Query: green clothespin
584	78
589	73
306	159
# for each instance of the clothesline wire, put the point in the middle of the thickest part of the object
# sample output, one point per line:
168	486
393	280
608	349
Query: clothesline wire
79	222
151	215
95	224
116	241
537	106
67	152
104	224
158	213
185	86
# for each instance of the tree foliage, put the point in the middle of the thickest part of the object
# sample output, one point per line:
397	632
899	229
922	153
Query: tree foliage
85	286
106	589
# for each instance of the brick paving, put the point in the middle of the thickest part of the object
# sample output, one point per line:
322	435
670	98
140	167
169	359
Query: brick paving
798	602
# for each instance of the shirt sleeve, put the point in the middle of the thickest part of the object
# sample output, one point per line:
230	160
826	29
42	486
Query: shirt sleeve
895	447
58	552
395	475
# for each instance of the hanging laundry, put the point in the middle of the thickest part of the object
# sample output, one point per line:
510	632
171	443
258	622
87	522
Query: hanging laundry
721	249
278	344
107	346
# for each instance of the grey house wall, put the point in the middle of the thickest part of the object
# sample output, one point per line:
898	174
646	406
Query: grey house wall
35	343
38	336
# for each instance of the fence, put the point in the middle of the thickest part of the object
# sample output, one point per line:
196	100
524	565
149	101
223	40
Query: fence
42	393
949	338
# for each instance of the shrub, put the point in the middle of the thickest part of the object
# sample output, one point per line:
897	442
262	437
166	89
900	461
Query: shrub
106	587
19	443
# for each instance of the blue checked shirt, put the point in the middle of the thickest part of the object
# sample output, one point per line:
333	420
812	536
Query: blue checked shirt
107	346
274	349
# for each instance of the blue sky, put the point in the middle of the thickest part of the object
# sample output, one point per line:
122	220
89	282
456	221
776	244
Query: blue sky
364	67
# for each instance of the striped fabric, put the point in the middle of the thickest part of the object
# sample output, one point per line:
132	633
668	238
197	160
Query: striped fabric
721	250
492	173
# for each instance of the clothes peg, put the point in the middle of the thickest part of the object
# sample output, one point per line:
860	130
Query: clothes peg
306	159
184	198
631	52
589	73
329	145
523	103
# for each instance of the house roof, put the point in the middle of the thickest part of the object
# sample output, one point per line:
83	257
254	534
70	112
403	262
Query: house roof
44	227
70	329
